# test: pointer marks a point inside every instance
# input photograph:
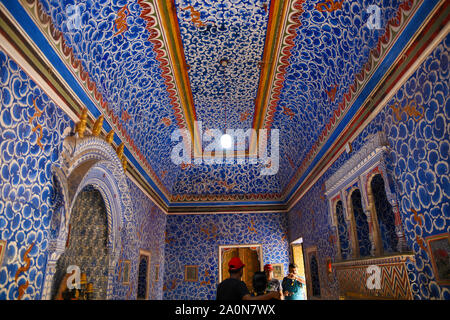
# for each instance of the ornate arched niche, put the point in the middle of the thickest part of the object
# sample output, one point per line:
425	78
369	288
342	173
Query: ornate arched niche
362	227
91	161
383	206
355	177
340	222
86	246
358	172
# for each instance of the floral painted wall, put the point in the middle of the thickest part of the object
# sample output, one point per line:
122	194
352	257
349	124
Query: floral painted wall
419	166
31	134
32	129
151	226
195	240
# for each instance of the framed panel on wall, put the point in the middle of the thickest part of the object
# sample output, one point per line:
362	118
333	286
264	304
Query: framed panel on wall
439	250
156	275
278	272
126	272
2	250
191	273
312	272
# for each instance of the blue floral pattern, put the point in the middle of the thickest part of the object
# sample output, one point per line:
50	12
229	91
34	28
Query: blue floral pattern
127	84
329	50
233	30
151	226
26	183
418	169
195	240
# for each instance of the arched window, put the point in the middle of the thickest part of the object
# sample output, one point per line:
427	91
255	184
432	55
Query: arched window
342	230
361	224
385	214
315	283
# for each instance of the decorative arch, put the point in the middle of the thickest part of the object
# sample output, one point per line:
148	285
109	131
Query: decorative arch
351	219
356	243
376	175
60	206
92	161
392	199
342	230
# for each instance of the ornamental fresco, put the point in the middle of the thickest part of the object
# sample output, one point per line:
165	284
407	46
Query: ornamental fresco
418	168
26	182
195	240
29	197
332	38
327	56
151	226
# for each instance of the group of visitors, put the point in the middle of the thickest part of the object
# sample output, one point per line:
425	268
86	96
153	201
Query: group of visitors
265	286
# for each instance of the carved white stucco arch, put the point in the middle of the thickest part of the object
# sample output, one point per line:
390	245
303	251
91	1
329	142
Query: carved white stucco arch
91	161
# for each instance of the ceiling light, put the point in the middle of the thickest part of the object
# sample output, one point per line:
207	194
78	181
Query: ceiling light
226	141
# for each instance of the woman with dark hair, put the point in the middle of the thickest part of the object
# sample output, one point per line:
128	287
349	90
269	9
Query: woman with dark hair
259	283
292	284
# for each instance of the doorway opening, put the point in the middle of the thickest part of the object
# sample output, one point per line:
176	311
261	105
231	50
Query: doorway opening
143	275
297	258
251	256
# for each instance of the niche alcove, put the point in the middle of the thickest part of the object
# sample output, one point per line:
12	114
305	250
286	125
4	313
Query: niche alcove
86	244
362	201
92	219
